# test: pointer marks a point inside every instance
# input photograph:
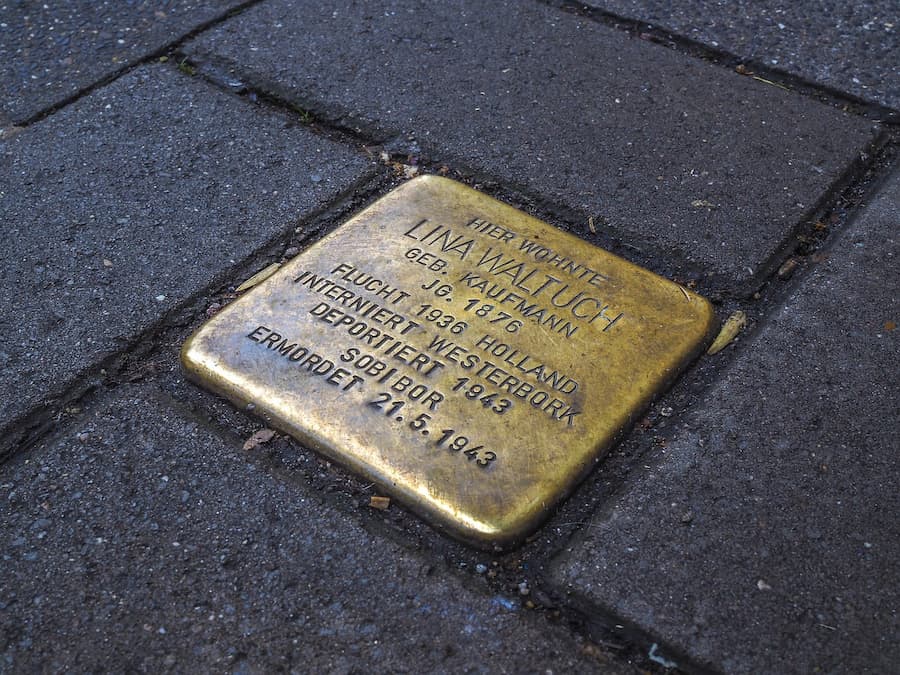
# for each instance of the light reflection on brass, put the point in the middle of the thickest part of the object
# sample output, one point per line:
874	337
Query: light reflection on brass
470	359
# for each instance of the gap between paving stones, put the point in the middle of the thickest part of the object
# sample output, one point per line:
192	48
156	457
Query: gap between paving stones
128	67
722	57
211	74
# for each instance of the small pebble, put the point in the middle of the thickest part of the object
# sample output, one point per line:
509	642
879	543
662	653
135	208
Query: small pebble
786	271
291	252
523	588
160	298
480	569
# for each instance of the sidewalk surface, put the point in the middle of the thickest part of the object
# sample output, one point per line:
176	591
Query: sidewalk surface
154	155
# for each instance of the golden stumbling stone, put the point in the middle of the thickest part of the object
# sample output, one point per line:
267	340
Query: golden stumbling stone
471	360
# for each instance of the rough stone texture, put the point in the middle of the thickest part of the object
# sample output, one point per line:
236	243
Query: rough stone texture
139	540
123	204
767	539
849	46
702	164
49	51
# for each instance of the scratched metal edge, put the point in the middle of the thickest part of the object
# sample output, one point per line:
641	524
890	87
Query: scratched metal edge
503	533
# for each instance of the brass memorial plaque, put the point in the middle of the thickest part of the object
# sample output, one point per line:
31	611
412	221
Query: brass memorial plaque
471	360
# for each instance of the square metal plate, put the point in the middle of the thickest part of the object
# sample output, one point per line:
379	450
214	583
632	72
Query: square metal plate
470	359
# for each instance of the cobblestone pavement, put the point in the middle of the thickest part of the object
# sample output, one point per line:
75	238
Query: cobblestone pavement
154	155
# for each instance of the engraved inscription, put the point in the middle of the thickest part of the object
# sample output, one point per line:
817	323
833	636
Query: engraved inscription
470	359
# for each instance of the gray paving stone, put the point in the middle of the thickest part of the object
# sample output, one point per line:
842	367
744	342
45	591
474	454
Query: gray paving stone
129	201
767	538
849	46
50	51
140	540
696	162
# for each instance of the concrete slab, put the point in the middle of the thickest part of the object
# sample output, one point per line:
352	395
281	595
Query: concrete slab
766	539
50	51
851	47
140	540
708	169
131	200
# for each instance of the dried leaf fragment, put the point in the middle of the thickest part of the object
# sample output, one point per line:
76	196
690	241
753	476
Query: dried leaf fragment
258	438
733	325
258	278
786	271
380	503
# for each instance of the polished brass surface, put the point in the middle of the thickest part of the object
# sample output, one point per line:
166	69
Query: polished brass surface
470	359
